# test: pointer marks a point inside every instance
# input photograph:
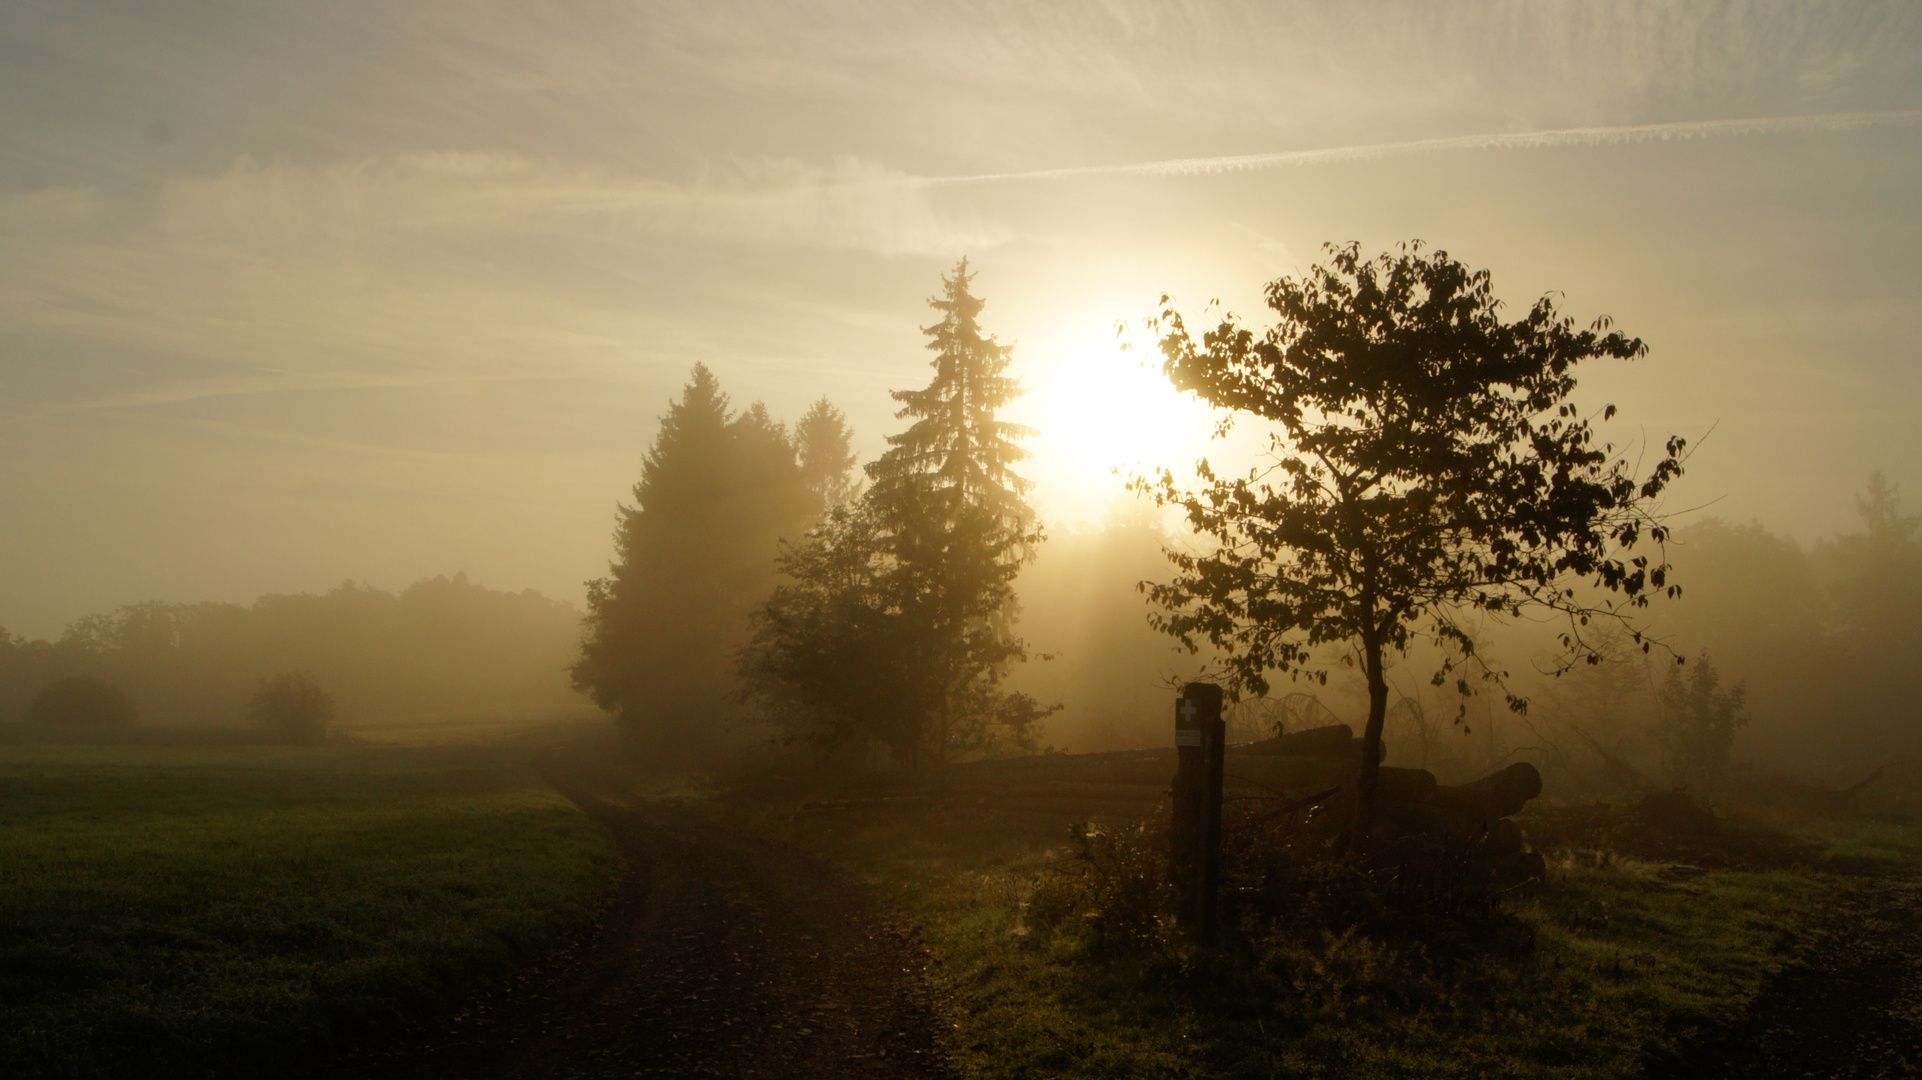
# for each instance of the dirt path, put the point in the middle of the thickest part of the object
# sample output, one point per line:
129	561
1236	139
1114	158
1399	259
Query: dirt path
725	955
1848	1005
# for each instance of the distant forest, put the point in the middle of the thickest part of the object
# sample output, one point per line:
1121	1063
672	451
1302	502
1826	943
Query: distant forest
1824	639
1827	639
440	647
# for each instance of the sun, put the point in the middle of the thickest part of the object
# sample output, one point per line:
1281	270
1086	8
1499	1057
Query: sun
1097	409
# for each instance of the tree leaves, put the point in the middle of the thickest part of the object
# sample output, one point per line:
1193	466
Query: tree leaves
1431	463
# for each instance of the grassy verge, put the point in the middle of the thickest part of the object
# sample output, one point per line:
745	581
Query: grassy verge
240	911
1628	960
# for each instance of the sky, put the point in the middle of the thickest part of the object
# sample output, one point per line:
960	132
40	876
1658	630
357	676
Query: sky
295	293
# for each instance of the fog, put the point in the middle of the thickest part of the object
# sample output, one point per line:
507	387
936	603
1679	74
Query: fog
439	651
291	296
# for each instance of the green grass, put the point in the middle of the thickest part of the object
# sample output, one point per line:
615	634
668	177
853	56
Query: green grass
1629	960
243	911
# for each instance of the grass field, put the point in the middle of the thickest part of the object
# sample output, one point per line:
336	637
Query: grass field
247	910
1628	960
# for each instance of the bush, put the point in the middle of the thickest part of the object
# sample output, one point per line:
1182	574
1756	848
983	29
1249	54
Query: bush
292	706
82	701
1112	894
1302	922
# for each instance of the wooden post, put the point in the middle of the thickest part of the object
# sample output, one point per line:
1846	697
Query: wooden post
1195	858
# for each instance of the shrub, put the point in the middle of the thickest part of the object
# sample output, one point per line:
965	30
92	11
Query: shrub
82	701
1302	921
1112	892
292	706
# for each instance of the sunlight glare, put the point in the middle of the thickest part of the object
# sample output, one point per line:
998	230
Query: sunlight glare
1099	409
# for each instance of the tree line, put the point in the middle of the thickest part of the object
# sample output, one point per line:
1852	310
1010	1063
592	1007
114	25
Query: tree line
758	582
441	646
1432	480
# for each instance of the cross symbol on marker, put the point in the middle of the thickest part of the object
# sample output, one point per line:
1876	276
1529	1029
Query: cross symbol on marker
1186	712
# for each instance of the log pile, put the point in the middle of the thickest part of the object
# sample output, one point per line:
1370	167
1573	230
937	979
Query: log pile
1469	825
1461	824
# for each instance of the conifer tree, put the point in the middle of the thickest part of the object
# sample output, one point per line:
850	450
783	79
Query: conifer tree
693	555
957	448
896	624
825	444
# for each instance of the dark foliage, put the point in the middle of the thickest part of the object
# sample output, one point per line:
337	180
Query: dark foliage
292	707
82	701
1306	932
894	626
692	557
1698	723
1428	465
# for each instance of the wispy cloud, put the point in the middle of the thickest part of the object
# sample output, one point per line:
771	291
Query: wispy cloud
849	203
1521	140
419	264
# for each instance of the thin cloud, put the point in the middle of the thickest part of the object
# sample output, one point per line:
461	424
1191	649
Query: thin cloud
1523	140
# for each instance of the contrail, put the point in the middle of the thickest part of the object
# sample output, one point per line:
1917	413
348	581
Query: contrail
1522	140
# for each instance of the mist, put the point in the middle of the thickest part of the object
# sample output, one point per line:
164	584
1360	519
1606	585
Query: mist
305	297
443	650
691	538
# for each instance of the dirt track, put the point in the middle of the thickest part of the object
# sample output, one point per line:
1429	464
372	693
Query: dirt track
724	955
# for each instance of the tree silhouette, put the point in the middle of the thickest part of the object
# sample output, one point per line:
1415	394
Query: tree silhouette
1427	465
825	445
1875	621
693	555
292	707
958	456
1879	570
82	701
895	624
1698	722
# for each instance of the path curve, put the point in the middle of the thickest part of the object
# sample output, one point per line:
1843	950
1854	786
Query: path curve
724	955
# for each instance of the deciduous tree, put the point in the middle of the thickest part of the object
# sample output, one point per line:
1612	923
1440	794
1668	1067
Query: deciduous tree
1427	464
1698	722
293	707
82	701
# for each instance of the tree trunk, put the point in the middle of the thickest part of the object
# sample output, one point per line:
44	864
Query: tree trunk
1367	787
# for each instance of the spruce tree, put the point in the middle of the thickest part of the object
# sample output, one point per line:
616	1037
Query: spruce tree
693	555
825	444
896	624
957	448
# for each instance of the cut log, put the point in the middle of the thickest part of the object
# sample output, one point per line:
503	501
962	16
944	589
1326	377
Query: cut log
1496	795
1504	838
1332	741
1422	819
1405	785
